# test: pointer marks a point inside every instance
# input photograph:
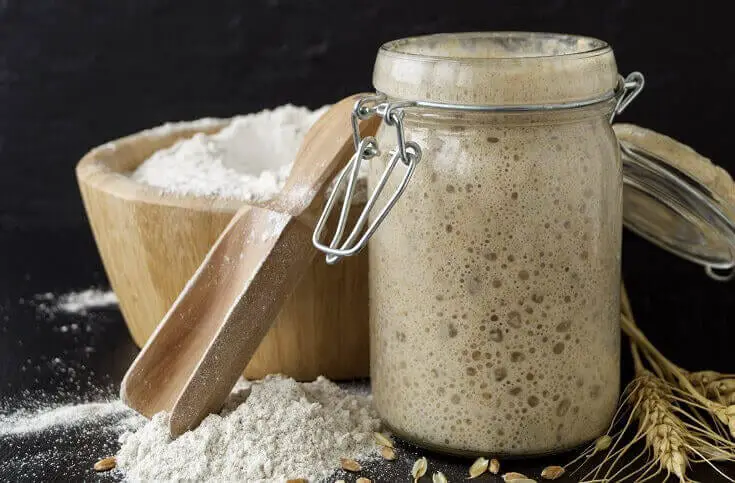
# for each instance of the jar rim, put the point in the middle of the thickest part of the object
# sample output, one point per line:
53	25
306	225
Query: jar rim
510	46
496	68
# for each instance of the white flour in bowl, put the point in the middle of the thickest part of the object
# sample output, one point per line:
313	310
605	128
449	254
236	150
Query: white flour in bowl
249	159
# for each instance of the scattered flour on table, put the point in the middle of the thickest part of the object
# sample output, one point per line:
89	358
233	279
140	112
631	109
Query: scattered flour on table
249	159
69	435
39	417
270	430
75	302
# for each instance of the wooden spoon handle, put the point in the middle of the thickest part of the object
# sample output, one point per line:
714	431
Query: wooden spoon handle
278	254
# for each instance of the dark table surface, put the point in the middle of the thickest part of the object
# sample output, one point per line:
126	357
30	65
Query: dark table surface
94	359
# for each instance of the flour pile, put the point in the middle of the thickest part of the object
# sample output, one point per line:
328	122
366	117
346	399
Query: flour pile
270	430
249	159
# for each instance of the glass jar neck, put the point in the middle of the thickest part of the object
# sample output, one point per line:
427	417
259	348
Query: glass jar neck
445	117
496	68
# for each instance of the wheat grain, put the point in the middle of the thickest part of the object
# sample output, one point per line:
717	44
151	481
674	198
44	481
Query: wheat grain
387	453
349	464
664	432
552	472
478	467
419	468
105	464
494	466
382	440
514	476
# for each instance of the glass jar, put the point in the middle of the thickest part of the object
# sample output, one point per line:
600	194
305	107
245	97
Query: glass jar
495	272
494	284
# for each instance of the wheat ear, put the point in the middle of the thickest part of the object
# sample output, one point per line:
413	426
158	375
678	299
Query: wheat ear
680	417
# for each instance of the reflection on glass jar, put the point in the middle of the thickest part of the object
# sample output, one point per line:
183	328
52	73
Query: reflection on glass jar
494	281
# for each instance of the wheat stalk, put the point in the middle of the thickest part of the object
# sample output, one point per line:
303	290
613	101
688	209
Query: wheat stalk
652	420
664	432
723	412
681	417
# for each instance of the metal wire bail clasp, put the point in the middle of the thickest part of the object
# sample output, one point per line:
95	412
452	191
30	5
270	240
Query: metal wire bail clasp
627	90
407	152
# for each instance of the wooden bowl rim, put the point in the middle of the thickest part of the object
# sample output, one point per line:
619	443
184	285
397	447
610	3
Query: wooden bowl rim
95	169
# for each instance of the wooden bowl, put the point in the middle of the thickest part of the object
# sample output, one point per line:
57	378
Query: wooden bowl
152	242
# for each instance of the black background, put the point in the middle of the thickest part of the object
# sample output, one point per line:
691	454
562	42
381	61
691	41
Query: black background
75	74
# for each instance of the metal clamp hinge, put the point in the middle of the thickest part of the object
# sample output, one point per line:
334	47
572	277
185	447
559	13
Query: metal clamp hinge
628	89
408	152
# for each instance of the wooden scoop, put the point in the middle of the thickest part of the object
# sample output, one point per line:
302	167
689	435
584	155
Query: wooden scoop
193	359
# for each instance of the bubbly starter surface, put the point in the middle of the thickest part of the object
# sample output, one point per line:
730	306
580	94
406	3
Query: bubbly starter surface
495	286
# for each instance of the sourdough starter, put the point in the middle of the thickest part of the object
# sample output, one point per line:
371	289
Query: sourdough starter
495	279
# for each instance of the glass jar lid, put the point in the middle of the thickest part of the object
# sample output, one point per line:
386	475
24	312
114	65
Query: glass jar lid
678	199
